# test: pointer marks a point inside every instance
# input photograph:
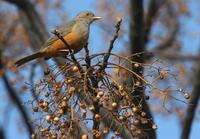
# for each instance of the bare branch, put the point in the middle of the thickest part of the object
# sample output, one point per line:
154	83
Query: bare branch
173	29
87	56
106	57
2	136
154	6
176	56
16	100
137	45
190	113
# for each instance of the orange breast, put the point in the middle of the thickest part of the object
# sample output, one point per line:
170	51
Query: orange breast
73	40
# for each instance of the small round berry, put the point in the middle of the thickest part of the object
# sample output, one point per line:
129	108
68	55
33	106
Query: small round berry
74	68
84	136
114	105
143	114
154	126
186	95
91	108
136	122
48	118
97	117
136	65
56	119
135	109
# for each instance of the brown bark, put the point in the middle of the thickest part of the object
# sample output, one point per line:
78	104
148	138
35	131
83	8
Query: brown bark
190	113
137	45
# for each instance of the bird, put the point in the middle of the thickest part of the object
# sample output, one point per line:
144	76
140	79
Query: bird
75	33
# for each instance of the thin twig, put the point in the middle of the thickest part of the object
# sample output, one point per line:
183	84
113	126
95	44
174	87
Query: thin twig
32	82
87	57
55	32
106	57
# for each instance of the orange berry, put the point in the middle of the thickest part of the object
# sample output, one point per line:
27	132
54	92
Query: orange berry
84	136
154	126
114	105
74	68
136	122
97	117
91	108
135	109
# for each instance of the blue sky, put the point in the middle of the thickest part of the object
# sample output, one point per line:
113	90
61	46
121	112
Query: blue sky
168	127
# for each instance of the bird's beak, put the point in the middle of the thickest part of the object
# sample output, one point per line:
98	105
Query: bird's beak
97	17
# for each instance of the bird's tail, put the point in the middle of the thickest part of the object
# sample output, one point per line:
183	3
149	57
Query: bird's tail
28	58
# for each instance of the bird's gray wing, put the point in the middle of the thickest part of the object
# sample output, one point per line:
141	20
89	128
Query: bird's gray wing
63	30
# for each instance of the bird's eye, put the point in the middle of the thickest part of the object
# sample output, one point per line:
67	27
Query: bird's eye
88	14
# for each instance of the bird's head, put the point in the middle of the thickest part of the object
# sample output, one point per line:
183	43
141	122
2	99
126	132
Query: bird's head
88	16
